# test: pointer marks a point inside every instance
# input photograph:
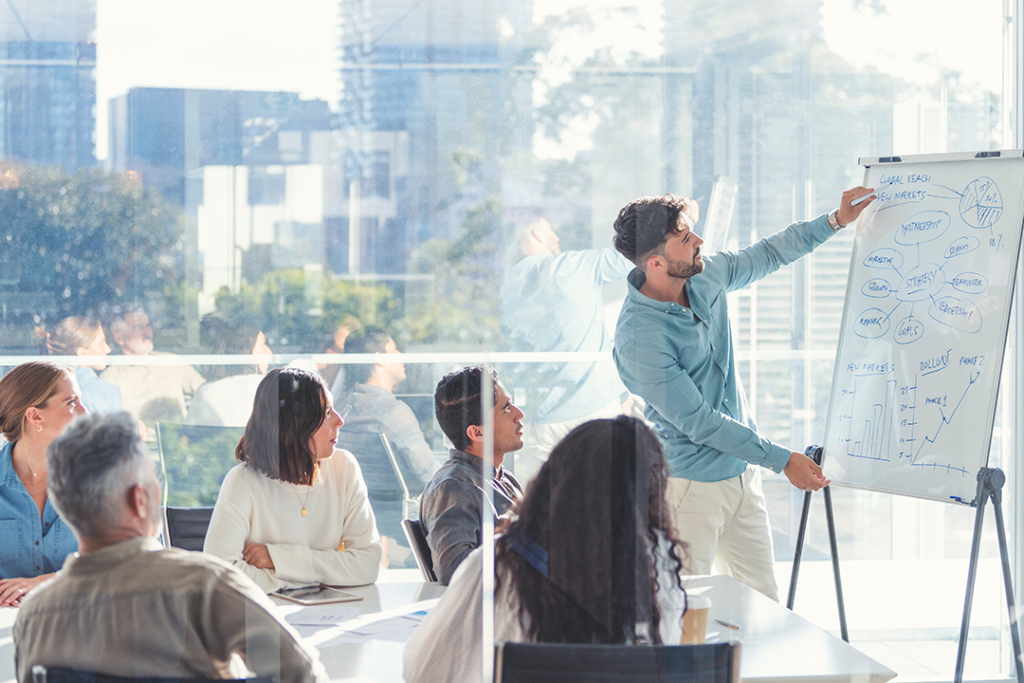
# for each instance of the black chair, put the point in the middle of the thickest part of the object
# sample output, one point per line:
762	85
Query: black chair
551	663
42	674
420	550
186	527
385	484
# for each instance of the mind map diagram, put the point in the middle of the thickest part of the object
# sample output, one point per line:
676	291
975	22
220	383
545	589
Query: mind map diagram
921	285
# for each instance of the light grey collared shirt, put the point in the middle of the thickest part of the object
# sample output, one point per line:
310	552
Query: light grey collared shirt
135	609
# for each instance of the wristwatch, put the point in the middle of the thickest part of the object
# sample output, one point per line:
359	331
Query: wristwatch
833	220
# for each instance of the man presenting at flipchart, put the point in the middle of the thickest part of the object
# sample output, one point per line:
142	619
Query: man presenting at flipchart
673	348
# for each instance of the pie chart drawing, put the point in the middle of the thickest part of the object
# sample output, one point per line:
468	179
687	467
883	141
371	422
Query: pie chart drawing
981	203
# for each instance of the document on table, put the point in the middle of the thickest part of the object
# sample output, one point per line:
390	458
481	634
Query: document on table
395	625
319	615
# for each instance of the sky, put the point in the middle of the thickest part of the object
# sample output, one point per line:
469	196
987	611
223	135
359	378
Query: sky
293	46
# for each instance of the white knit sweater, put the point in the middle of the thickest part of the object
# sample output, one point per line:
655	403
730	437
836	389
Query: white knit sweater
253	508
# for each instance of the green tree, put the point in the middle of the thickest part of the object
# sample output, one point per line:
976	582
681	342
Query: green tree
80	243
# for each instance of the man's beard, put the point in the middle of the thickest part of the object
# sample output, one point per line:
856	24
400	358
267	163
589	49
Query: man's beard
684	270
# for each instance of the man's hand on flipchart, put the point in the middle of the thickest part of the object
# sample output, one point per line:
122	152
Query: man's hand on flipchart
848	213
804	473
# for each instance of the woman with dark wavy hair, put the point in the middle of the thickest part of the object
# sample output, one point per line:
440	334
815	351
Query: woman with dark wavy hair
295	512
591	558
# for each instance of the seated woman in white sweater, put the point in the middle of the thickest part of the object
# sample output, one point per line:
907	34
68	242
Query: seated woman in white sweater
591	558
295	512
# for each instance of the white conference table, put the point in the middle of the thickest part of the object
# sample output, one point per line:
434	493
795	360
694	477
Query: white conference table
778	645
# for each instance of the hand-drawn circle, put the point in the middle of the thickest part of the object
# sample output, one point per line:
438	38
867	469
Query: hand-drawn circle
956	313
922	282
876	288
969	283
981	203
884	258
962	245
922	227
871	324
908	330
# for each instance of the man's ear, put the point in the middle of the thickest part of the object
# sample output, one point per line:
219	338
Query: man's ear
653	262
138	500
475	433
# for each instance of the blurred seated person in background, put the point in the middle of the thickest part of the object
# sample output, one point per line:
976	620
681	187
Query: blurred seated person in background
225	399
334	374
451	507
295	512
125	606
36	401
591	557
371	407
152	393
81	336
552	301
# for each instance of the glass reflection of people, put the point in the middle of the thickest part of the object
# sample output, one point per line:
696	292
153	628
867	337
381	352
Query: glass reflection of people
81	336
371	409
151	393
226	398
334	373
573	565
673	348
295	511
551	300
37	400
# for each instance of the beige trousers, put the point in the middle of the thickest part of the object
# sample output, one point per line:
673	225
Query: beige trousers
725	523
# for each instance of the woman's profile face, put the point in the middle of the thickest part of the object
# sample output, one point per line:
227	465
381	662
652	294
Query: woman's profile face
325	438
97	347
61	408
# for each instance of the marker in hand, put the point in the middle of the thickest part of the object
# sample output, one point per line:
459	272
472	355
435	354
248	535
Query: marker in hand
869	195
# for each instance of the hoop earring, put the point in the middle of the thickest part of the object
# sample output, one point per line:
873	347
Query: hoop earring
39	428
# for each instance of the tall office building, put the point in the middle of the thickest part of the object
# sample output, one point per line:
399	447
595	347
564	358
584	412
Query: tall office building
431	71
48	82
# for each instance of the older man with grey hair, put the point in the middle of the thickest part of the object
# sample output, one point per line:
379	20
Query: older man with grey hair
126	606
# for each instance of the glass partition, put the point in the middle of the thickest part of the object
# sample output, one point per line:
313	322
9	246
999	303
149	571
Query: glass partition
298	172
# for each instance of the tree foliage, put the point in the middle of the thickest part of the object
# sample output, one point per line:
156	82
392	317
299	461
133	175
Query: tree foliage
86	241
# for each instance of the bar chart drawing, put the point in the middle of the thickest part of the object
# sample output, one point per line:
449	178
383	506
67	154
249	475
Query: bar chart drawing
870	433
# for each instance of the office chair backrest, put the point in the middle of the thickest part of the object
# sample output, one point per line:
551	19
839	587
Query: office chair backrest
560	663
186	527
42	674
420	550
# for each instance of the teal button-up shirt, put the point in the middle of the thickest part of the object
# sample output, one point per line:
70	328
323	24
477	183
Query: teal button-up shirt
681	361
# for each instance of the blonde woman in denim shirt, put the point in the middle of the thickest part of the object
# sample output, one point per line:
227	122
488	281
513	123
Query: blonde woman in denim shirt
37	400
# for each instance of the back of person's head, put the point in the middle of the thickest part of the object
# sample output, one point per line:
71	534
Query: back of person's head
290	406
91	466
228	337
29	385
644	224
591	531
369	339
67	336
457	403
347	324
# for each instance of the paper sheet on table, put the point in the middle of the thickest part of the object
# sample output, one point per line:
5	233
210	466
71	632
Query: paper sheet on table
395	625
318	615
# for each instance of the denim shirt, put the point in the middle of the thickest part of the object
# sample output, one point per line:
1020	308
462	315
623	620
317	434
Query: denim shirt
28	547
98	395
681	361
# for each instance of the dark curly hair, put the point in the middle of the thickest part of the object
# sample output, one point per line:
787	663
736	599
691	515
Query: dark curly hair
457	403
643	225
598	508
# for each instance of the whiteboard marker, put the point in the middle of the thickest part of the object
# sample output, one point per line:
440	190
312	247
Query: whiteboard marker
865	197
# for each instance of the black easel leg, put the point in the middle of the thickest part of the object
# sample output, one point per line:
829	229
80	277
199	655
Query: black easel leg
1008	584
835	564
972	573
799	550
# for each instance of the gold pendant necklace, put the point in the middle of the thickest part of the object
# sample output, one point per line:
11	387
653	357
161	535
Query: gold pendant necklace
303	500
